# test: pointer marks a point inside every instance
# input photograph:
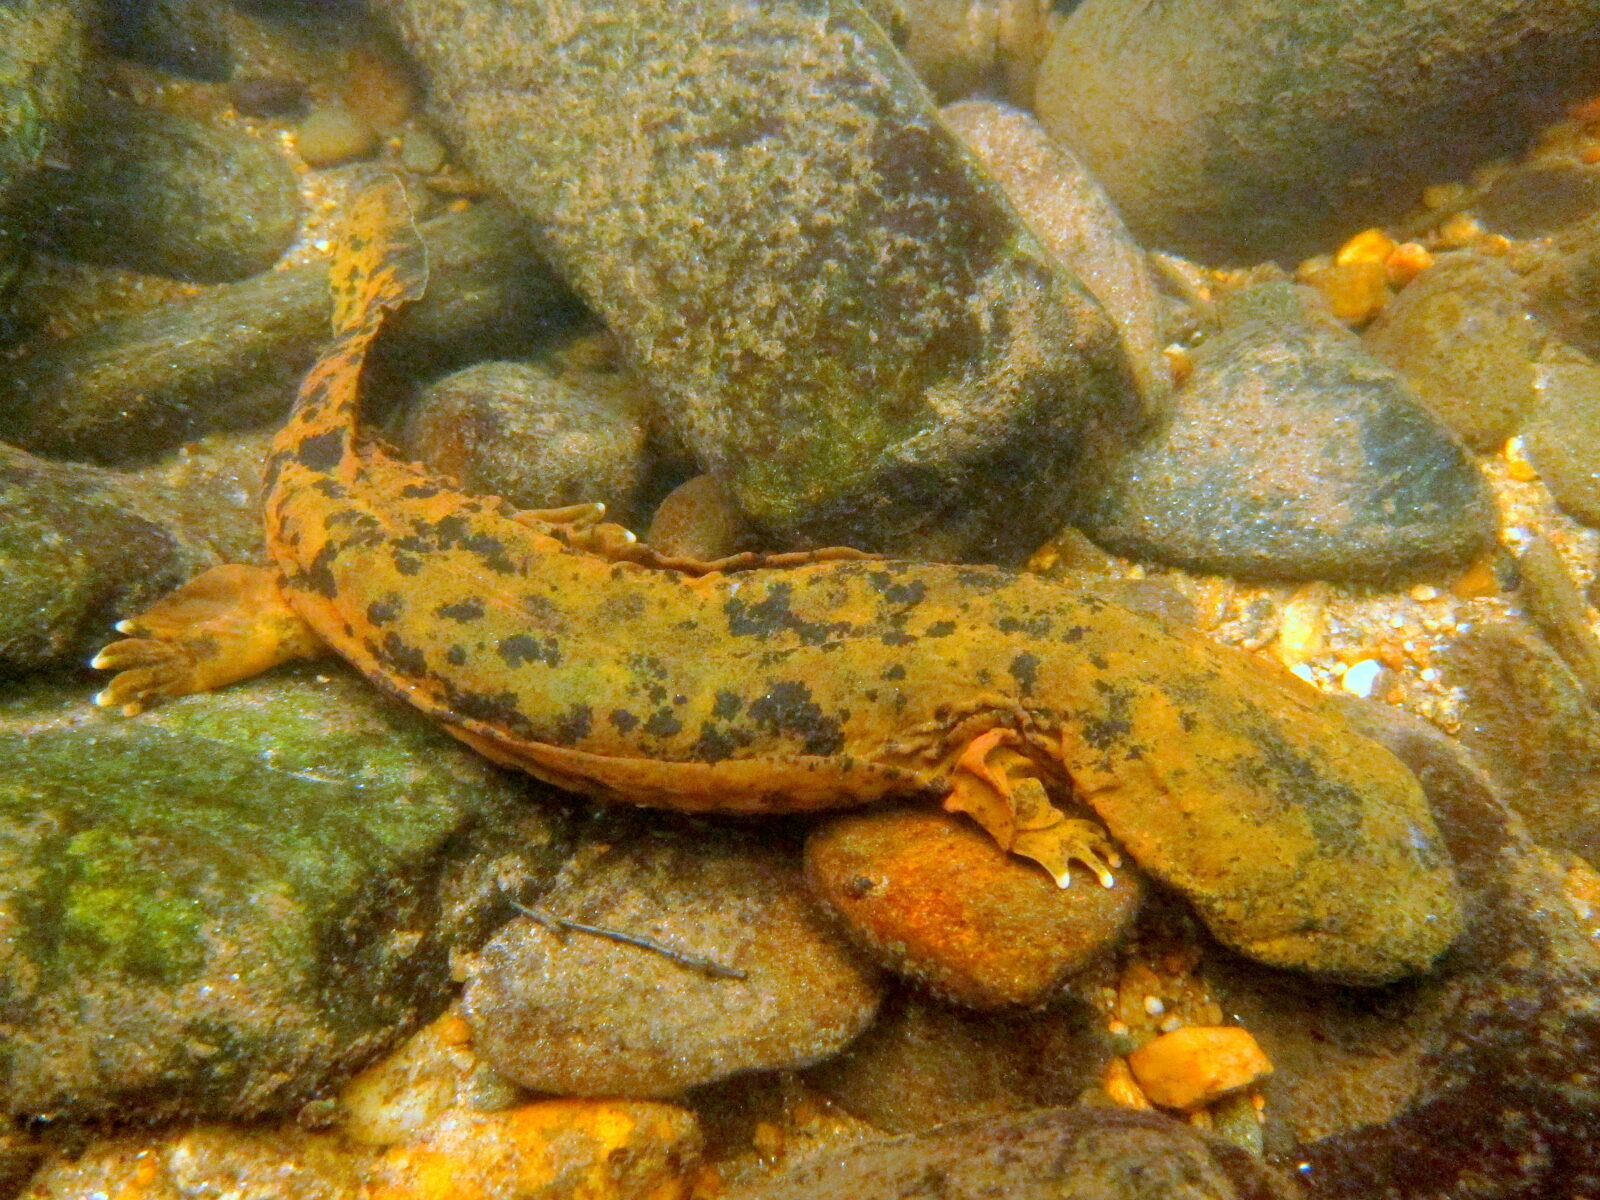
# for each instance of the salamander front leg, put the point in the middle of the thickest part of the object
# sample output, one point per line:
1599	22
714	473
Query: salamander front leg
225	625
998	787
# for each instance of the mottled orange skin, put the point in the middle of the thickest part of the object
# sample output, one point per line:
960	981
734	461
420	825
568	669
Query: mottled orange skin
556	648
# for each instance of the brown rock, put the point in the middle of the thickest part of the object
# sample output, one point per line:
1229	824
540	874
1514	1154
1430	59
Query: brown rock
697	520
1461	337
929	895
923	1063
580	1014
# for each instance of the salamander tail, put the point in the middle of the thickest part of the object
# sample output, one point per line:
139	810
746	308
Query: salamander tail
380	262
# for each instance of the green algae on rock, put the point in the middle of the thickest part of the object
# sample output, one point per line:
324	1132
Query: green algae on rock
838	308
226	906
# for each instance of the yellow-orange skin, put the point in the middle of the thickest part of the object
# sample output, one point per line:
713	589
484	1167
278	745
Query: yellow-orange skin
838	681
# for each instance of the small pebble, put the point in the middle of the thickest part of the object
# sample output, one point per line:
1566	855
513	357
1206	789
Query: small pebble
1563	436
269	96
334	134
421	152
1189	1068
1557	608
1361	678
698	520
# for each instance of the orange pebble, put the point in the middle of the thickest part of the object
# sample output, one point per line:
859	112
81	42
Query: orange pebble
1586	111
1477	581
1119	1086
1368	246
1191	1067
1353	290
453	1031
1406	261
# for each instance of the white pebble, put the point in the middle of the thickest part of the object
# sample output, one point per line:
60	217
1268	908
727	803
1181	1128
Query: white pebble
1361	678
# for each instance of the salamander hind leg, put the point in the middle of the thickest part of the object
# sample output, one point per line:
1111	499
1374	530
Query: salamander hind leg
998	786
225	625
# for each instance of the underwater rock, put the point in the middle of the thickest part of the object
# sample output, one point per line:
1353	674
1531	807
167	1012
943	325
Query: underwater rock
1563	435
224	906
1087	1152
838	310
1290	453
930	896
181	36
535	437
42	52
923	1063
136	386
1526	719
170	196
1077	223
550	1150
1564	290
581	1014
82	547
697	520
332	134
1461	337
1479	1080
1289	126
1557	609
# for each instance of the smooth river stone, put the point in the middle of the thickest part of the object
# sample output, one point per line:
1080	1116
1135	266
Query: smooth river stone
1280	127
839	310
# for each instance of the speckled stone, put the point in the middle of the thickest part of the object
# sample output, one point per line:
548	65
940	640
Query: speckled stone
1461	336
1077	223
837	308
1291	453
930	896
536	437
1289	126
580	1014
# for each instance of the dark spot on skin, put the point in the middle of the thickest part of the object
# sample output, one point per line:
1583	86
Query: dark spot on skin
1188	720
623	720
940	629
322	451
381	612
907	594
456	656
400	657
406	564
1098	662
979	580
470	609
499	710
895	638
1037	627
419	491
331	488
772	615
657	693
787	709
1024	669
574	725
1102	734
318	575
521	648
898	671
663	723
726	706
716	744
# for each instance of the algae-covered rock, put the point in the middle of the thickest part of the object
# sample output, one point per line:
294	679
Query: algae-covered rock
1278	127
224	905
842	315
170	196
